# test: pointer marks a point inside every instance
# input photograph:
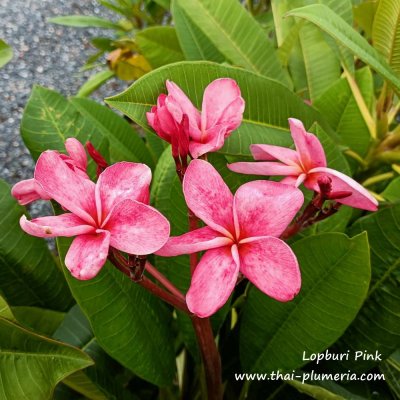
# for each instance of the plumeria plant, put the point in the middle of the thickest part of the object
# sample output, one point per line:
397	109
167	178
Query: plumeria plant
235	235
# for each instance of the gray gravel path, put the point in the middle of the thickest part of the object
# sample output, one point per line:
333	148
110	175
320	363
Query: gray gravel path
44	54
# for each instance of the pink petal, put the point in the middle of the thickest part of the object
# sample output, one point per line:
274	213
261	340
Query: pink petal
360	197
178	104
122	181
290	180
222	105
270	264
308	146
266	152
77	152
264	168
72	191
137	228
61	225
208	196
265	208
213	282
198	240
27	191
211	141
88	254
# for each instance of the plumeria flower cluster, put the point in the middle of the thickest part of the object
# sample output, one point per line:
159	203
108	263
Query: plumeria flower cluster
242	232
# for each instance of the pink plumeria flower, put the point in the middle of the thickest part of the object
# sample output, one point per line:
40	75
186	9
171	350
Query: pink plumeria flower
113	212
28	190
307	164
222	112
241	235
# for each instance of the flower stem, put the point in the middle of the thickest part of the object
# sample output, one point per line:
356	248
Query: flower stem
121	263
210	357
164	281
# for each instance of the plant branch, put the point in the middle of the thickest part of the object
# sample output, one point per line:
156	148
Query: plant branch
121	263
153	271
210	357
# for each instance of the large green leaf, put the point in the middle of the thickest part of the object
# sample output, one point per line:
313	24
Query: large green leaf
236	34
377	326
340	109
194	43
31	365
129	323
49	119
96	382
160	46
386	32
6	53
268	103
84	21
335	277
29	275
331	23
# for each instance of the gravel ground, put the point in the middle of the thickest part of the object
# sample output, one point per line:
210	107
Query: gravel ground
45	54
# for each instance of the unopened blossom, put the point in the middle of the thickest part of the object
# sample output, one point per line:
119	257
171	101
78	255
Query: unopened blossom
113	212
307	164
29	190
222	112
241	234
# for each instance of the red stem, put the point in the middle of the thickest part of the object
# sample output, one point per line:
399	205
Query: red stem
210	357
153	271
120	262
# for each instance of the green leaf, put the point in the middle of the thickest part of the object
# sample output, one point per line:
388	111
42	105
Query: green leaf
129	323
386	32
236	34
392	191
331	23
49	119
335	280
82	21
377	326
29	274
94	82
322	66
268	103
6	53
339	108
194	43
159	45
31	365
364	14
311	55
39	320
391	369
96	382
